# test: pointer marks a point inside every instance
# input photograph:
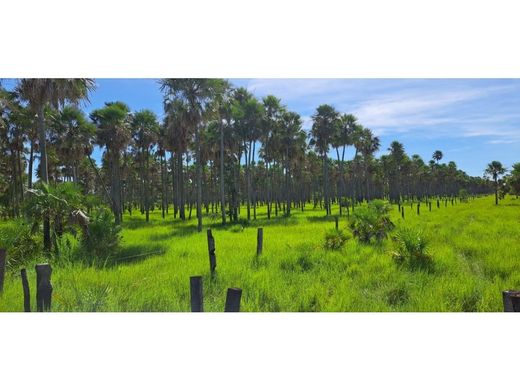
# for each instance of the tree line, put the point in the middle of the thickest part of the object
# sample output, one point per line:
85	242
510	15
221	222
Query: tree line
218	149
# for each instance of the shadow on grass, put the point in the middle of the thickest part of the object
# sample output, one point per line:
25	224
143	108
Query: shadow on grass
132	254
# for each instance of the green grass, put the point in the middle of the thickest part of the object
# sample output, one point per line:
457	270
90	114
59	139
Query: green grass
475	248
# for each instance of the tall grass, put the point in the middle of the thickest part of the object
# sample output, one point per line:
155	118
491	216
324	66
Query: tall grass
475	247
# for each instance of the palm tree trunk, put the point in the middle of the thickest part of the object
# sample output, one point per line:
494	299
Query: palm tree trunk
199	181
30	168
222	193
180	185
44	175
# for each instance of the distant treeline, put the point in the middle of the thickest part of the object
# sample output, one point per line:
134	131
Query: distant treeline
218	148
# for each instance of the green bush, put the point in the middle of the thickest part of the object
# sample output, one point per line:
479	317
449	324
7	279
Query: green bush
335	239
411	249
22	246
103	236
371	221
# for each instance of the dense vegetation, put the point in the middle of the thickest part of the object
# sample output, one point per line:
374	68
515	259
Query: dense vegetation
232	161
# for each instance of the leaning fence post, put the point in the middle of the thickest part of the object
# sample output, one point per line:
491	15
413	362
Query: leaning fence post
26	291
233	300
197	298
211	252
511	301
259	241
2	268
43	287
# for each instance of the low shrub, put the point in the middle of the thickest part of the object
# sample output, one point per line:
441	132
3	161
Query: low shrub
335	239
103	237
411	249
371	221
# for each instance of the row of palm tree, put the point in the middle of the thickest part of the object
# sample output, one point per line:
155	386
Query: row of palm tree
218	147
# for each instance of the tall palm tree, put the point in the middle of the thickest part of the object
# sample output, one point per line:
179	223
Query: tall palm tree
369	145
72	137
271	123
145	133
198	96
291	138
343	138
325	124
247	115
54	92
113	132
495	169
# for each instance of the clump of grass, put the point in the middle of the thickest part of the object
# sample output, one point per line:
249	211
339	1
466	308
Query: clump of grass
335	239
238	228
371	221
412	249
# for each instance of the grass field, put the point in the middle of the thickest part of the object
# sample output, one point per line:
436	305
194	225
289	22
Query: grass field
475	247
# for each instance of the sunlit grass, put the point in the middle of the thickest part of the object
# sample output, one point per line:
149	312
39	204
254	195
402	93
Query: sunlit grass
475	248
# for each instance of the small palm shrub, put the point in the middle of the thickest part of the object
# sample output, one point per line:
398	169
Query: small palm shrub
371	221
411	249
335	239
463	195
21	244
103	237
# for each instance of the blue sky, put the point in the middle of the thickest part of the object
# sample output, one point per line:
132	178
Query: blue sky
472	121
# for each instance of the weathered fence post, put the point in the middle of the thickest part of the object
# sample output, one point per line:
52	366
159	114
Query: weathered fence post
197	297
430	206
43	287
336	221
26	291
233	300
402	212
211	253
259	241
418	209
3	254
511	301
438	204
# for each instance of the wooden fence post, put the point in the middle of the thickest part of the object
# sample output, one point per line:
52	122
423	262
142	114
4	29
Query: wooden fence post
336	220
196	293
511	301
438	204
233	300
430	206
43	287
418	209
402	212
211	252
259	241
3	254
26	291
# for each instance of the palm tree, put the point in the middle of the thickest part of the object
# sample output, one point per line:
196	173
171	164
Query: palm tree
343	138
369	144
113	132
437	156
145	132
495	169
271	122
54	92
247	116
291	138
71	137
198	96
325	124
